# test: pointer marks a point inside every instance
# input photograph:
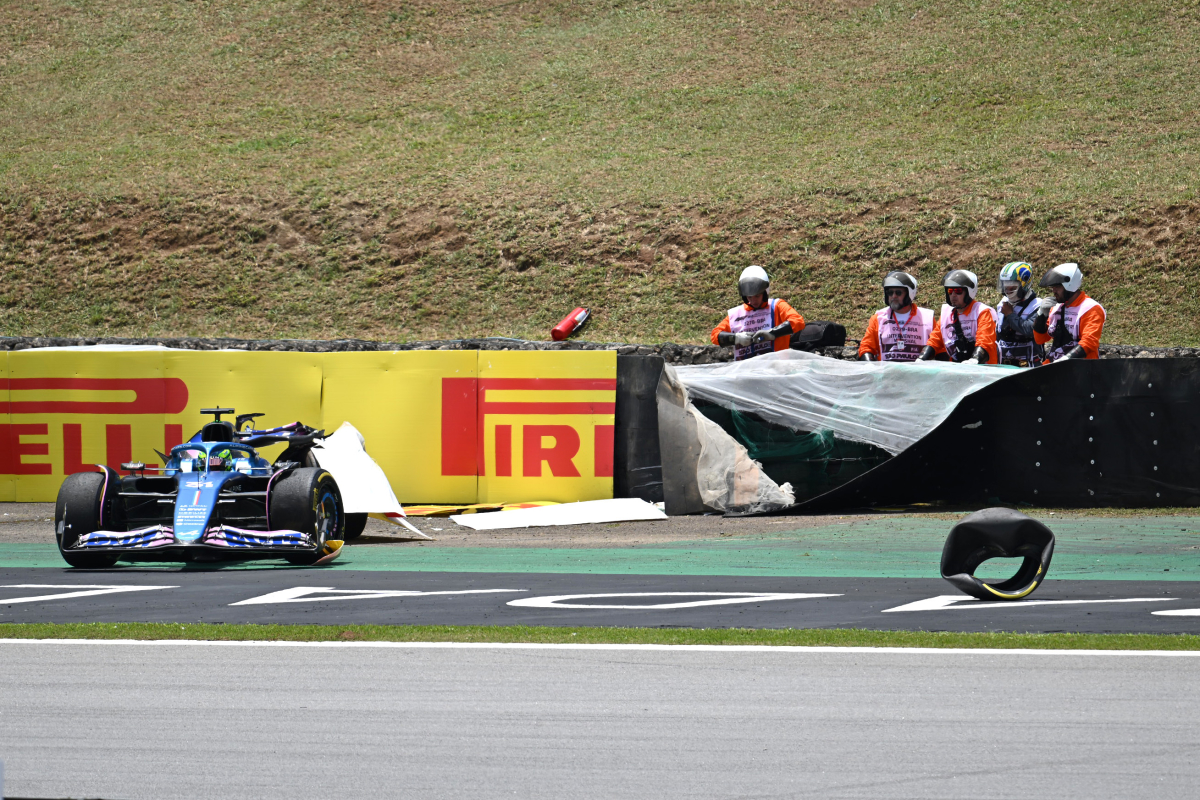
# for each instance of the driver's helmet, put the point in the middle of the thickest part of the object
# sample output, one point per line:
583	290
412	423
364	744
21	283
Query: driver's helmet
220	460
1015	279
194	458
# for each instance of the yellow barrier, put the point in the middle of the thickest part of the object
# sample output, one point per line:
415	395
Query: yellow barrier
446	426
545	425
395	401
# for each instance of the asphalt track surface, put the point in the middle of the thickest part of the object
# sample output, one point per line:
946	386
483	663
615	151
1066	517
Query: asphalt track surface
134	720
1109	575
345	597
120	721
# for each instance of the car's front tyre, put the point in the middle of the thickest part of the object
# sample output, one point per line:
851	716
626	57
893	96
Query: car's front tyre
308	500
76	512
355	525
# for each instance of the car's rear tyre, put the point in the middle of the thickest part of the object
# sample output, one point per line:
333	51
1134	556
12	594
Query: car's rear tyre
76	512
308	500
355	525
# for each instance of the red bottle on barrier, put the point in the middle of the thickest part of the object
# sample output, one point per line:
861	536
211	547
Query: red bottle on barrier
570	323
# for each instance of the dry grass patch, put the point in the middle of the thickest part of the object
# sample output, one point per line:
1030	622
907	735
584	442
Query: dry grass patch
230	266
437	169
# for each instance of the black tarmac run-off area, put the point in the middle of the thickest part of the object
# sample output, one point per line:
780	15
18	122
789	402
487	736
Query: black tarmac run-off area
343	597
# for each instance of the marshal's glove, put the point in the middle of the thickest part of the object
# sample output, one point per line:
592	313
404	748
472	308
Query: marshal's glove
927	354
743	339
765	335
1041	321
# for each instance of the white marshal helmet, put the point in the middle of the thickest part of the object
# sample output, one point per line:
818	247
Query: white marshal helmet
962	279
753	281
901	280
1068	276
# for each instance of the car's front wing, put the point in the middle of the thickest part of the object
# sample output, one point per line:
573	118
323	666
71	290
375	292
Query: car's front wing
222	537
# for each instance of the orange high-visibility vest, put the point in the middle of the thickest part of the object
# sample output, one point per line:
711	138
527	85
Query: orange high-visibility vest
1074	313
901	341
945	336
752	320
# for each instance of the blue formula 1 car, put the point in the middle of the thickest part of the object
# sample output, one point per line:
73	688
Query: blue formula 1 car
215	495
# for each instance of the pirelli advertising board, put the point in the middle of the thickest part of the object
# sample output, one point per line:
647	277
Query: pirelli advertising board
446	426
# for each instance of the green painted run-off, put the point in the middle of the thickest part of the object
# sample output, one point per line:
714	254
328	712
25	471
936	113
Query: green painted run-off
1102	548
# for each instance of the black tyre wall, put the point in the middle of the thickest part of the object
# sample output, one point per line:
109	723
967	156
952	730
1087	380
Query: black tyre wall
637	463
1076	434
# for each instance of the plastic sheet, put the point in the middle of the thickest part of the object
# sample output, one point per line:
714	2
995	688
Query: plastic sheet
728	479
887	405
813	463
766	442
703	466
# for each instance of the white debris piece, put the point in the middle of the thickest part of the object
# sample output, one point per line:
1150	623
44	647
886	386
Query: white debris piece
624	509
363	483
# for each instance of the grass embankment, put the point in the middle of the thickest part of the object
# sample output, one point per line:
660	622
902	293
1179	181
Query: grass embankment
671	636
431	169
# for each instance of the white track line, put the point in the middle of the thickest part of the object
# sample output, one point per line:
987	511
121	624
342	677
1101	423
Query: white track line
728	598
91	591
951	602
692	648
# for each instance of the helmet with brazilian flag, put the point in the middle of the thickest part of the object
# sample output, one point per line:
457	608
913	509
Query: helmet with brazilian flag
1015	280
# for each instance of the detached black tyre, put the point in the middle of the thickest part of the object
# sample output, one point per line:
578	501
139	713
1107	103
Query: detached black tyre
308	500
997	533
355	525
76	512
